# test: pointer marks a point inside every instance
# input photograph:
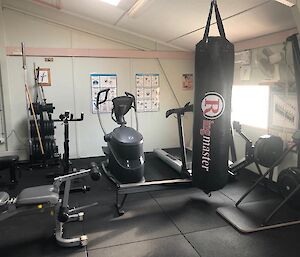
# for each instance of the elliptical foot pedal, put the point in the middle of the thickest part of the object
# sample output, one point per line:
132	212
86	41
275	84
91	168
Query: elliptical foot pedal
83	240
4	197
80	216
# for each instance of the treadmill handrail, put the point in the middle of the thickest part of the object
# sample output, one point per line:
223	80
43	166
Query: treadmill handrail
181	111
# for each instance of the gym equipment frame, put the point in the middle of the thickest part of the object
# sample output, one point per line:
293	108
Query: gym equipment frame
241	217
123	190
47	196
65	118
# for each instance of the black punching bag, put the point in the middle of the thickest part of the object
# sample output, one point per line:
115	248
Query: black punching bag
214	66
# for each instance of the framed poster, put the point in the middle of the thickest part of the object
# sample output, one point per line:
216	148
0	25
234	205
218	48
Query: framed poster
100	82
44	77
187	81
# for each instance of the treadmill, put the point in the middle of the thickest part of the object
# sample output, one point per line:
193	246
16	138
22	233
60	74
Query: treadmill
180	158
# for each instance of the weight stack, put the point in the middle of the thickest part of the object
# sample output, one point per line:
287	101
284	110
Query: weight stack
46	128
50	149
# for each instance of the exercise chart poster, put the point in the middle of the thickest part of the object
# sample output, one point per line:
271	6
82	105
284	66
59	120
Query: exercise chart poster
147	92
100	82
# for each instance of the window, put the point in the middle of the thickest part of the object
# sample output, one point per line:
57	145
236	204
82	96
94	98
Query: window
250	105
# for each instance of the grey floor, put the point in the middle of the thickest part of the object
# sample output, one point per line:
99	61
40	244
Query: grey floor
165	224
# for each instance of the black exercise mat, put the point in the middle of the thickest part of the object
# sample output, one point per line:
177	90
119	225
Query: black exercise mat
250	217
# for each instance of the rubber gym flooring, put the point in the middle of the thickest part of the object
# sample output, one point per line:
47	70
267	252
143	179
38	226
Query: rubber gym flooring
159	224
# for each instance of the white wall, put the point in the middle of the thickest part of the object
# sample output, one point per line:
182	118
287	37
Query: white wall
71	82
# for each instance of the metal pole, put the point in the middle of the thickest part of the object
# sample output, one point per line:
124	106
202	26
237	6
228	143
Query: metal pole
29	99
182	143
281	204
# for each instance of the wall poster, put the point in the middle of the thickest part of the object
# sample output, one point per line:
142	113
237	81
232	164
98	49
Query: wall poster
147	92
100	82
187	81
283	115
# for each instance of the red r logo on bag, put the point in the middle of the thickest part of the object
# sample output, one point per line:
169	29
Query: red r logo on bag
213	105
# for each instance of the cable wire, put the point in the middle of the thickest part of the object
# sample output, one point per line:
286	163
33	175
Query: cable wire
168	82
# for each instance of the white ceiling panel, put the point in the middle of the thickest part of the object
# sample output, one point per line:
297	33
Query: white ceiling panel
171	21
267	19
168	19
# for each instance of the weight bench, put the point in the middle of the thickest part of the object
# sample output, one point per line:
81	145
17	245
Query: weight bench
10	162
41	197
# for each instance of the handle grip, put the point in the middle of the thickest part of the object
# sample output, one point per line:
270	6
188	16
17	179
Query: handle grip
131	95
169	112
95	171
237	126
187	104
186	108
78	119
67	116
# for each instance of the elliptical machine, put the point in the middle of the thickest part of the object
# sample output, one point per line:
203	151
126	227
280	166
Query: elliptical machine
125	162
124	148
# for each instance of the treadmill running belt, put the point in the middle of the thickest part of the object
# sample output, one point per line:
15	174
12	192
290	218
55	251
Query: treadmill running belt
156	169
176	153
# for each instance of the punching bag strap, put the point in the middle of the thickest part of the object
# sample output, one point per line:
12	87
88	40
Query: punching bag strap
218	18
219	21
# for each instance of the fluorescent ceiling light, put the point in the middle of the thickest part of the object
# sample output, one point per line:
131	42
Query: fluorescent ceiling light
289	3
136	7
112	2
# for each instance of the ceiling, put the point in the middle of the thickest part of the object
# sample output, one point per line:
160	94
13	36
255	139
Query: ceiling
181	22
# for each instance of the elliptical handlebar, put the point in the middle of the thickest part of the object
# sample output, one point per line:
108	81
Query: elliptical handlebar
116	101
98	101
135	109
180	111
132	96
